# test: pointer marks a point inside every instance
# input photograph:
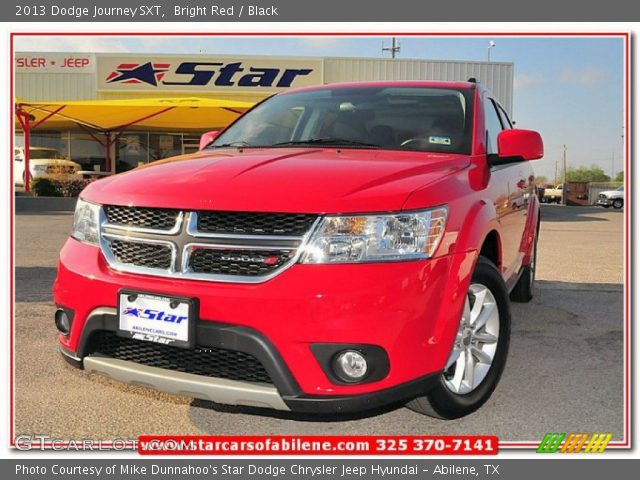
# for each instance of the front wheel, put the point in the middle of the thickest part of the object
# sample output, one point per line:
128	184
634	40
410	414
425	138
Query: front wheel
617	203
479	352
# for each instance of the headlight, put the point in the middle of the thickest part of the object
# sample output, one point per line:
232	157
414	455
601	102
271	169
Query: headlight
377	238
86	222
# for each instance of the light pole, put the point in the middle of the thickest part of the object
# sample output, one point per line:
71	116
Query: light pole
492	44
564	175
393	49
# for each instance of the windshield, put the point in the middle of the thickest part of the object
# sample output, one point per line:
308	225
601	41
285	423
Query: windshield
402	118
45	153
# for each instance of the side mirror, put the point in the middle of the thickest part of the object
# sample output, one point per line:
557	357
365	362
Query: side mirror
518	145
207	138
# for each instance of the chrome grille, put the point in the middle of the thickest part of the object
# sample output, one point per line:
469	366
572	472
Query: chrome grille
238	262
148	218
141	254
254	223
203	245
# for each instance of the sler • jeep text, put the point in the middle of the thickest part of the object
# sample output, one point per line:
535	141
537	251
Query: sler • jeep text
335	249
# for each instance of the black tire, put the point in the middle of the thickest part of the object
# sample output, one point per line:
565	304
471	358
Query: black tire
617	203
523	291
443	403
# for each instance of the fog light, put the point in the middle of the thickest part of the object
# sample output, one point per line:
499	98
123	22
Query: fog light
63	323
350	366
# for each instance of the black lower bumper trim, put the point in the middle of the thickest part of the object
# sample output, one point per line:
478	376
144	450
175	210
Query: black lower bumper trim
70	358
247	340
210	334
366	401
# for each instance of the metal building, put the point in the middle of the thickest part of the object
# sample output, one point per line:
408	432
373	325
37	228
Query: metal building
49	77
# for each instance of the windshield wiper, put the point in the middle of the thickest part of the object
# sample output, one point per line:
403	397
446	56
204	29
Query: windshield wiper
241	143
327	141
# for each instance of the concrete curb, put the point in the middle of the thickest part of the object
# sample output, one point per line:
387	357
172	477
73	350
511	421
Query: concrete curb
44	204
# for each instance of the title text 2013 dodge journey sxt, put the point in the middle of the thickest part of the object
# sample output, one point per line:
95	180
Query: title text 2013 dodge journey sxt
337	248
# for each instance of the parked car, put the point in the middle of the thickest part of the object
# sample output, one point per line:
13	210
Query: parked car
554	194
335	249
42	161
611	198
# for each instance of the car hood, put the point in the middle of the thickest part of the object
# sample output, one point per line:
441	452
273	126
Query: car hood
310	180
612	193
53	161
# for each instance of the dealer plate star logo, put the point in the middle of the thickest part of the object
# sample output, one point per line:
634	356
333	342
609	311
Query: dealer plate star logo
135	73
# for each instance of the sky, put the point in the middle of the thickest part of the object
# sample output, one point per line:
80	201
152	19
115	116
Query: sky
569	89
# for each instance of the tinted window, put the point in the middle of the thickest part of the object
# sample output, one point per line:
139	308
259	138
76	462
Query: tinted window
493	126
403	118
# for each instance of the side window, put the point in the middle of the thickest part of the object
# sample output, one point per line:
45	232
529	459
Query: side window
506	123
493	126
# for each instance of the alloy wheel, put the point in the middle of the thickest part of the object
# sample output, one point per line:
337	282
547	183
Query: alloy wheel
476	342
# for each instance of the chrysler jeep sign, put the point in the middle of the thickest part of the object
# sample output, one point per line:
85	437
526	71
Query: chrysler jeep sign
204	73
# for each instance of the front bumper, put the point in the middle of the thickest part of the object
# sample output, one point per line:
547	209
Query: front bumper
605	202
409	309
284	394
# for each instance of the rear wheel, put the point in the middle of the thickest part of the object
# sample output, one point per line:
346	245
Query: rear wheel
479	352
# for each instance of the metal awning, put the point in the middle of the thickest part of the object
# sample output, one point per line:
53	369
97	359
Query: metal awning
177	113
109	118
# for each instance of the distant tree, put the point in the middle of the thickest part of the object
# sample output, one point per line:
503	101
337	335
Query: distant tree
587	174
540	179
619	177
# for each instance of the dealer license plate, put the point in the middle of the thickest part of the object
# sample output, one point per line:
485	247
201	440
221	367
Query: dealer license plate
156	318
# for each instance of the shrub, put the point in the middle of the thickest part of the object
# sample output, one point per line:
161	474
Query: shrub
58	187
71	187
44	187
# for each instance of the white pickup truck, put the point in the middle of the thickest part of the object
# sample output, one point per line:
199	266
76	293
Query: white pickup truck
553	195
612	198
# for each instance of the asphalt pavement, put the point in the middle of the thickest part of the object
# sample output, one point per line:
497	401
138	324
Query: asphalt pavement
564	373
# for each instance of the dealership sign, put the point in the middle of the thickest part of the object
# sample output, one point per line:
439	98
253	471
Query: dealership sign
204	73
55	63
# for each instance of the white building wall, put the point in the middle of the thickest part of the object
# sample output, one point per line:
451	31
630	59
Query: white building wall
52	84
498	77
52	87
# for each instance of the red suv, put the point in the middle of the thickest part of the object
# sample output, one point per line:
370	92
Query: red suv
335	249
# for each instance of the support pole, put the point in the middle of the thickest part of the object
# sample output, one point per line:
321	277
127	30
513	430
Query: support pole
107	152
564	176
25	123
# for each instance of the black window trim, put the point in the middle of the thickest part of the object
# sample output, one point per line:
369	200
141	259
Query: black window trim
502	113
